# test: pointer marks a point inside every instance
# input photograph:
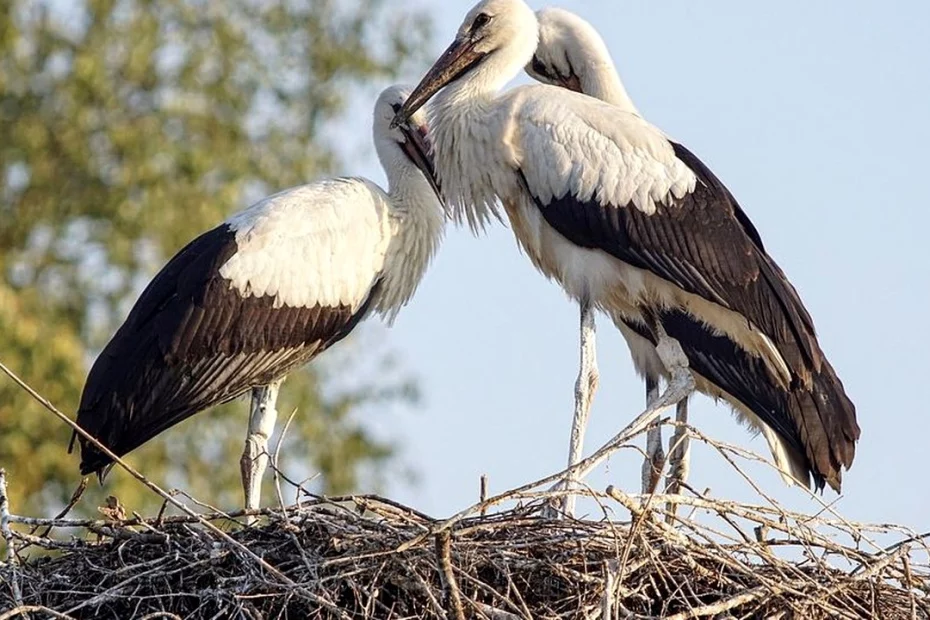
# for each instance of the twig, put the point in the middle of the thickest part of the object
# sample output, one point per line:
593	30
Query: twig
722	606
611	572
483	492
75	498
444	553
22	610
275	460
579	469
494	613
157	489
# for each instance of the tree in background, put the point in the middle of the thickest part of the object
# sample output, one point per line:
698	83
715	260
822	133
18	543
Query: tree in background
126	128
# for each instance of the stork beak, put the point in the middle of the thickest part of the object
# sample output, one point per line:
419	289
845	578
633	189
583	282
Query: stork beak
416	147
539	71
454	63
572	82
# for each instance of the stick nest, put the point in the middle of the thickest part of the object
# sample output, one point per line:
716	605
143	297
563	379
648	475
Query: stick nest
367	557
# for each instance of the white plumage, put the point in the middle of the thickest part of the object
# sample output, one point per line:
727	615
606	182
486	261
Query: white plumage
316	244
614	157
571	54
263	293
626	221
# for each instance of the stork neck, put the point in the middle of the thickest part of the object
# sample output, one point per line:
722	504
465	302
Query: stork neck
474	89
417	218
400	175
403	177
468	126
409	190
462	100
495	69
469	153
602	81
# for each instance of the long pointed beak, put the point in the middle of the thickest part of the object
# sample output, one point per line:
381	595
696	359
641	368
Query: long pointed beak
454	62
417	148
541	73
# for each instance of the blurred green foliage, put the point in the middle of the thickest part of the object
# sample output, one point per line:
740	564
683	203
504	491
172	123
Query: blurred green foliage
126	128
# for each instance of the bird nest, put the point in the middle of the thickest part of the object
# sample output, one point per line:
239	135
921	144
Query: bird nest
646	556
368	557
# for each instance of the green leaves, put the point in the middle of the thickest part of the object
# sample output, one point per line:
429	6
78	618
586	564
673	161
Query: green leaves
125	130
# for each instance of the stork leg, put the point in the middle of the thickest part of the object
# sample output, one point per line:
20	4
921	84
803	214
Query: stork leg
585	386
679	450
652	466
254	459
680	386
679	454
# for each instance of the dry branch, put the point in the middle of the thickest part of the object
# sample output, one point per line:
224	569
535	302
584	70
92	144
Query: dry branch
361	557
342	555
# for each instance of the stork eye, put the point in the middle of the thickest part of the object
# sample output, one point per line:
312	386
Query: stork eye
395	107
480	21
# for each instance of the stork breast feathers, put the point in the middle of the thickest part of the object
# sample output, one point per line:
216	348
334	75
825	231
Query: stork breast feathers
322	244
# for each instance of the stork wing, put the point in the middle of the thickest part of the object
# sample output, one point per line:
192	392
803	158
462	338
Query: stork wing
607	179
817	423
238	307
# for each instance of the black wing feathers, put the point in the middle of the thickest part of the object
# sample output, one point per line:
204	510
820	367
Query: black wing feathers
733	370
191	342
825	414
706	245
818	424
787	315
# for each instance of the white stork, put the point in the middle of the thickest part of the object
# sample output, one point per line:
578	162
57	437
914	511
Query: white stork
632	223
268	290
571	54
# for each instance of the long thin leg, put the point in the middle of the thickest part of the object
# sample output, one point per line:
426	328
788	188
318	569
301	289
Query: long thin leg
679	450
585	386
680	386
652	466
679	454
254	459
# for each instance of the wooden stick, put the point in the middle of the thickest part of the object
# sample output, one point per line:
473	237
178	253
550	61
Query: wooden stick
444	553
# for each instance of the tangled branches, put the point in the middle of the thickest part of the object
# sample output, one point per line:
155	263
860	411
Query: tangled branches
368	557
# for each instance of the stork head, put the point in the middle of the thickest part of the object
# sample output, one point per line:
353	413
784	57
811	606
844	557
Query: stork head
569	50
571	54
496	39
404	145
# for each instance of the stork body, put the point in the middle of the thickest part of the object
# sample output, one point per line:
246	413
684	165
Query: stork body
571	54
626	221
262	294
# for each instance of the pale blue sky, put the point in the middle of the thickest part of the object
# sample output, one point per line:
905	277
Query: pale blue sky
815	114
